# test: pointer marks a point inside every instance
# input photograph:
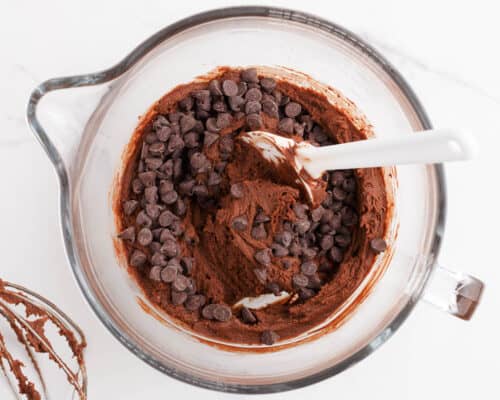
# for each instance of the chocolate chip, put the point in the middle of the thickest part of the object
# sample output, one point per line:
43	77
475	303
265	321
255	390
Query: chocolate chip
219	106
342	240
305	293
339	194
214	179
295	249
302	226
300	210
215	88
261	217
169	274
175	263
226	144
167	168
309	253
191	288
247	316
268	84
175	143
318	135
300	280
261	275
187	123
298	129
145	237
284	238
292	109
128	234
269	337
200	190
170	197
153	211
147	178
130	206
151	194
158	259
378	245
178	298
326	242
309	268
279	250
254	121
154	273
274	288
151	138
253	94
317	213
191	140
314	282
138	258
249	75
337	178
186	104
208	311
175	116
155	246
263	256
286	125
144	150
166	186
229	87
143	219
166	218
236	190
194	302
259	232
240	223
210	138
157	149
198	161
224	120
153	162
211	125
270	108
349	185
180	207
222	313
170	248
235	102
180	283
159	122
186	187
176	228
164	133
252	107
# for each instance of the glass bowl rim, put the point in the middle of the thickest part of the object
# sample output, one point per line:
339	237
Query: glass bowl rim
128	62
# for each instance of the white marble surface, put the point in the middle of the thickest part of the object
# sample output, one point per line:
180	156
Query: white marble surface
448	51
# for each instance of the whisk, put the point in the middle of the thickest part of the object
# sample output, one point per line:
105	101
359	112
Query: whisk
29	329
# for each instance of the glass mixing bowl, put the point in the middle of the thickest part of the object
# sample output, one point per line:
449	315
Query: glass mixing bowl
90	124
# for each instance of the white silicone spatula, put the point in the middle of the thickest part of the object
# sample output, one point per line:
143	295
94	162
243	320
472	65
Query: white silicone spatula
426	147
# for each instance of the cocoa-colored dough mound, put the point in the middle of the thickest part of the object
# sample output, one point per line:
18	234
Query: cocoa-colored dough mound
219	259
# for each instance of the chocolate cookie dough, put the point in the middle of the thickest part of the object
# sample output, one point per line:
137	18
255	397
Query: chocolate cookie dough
206	221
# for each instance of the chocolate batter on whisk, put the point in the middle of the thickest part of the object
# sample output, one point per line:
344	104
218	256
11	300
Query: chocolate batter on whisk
206	221
29	326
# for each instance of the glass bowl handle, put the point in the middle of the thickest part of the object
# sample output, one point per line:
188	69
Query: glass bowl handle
456	293
58	121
